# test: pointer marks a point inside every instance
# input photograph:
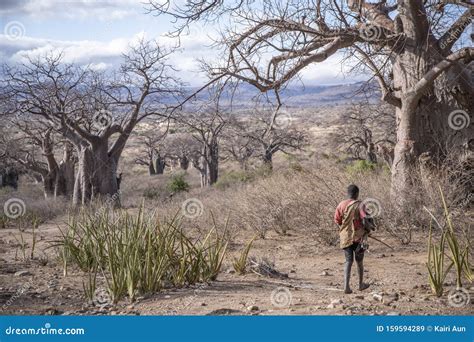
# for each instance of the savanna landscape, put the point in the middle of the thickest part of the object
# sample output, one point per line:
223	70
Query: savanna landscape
127	190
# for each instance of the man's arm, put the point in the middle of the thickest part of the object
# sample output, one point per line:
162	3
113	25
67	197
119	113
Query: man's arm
338	216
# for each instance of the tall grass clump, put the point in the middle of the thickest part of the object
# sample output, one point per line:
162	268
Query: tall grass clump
458	254
138	254
240	263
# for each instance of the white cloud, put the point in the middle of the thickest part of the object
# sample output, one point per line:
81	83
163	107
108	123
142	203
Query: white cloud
103	10
102	55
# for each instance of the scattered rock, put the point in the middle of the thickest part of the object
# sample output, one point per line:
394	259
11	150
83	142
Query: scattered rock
334	303
252	308
52	312
393	313
389	299
23	273
224	312
359	297
377	296
203	304
230	271
324	273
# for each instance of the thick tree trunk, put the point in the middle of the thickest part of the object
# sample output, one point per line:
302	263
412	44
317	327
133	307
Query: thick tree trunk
268	160
160	165
151	168
183	162
423	121
213	164
96	175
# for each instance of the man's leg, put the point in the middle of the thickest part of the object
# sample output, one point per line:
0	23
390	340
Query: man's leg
359	256
349	254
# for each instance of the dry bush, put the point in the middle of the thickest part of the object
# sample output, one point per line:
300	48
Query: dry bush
302	201
27	207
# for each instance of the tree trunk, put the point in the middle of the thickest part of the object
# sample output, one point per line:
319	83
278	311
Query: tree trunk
96	175
423	119
183	162
371	157
151	168
160	165
268	160
65	178
213	163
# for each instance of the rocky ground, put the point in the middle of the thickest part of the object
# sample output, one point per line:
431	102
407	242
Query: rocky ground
398	278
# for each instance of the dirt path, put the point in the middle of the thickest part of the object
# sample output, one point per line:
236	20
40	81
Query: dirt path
398	283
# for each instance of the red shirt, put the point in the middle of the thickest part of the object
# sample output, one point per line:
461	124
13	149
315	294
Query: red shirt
341	208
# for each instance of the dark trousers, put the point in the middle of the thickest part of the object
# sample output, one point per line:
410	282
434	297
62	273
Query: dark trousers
352	251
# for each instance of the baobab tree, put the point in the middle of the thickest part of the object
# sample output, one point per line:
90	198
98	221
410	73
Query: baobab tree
367	130
96	113
206	126
152	154
35	148
238	145
181	147
415	49
271	134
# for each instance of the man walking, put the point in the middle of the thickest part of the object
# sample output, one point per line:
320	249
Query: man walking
349	216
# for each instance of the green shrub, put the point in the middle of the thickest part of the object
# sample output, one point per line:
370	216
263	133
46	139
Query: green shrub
177	184
152	193
233	177
361	166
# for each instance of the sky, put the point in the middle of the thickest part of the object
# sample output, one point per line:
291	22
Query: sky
97	32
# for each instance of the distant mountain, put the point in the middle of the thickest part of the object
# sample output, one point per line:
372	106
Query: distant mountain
304	96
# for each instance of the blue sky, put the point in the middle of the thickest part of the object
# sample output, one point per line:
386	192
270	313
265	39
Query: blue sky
97	32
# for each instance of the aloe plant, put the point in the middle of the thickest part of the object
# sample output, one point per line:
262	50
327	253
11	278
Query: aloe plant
138	254
240	264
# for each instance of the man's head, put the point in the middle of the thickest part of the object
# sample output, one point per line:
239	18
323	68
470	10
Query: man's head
353	192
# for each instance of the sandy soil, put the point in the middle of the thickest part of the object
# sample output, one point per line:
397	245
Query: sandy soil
398	283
